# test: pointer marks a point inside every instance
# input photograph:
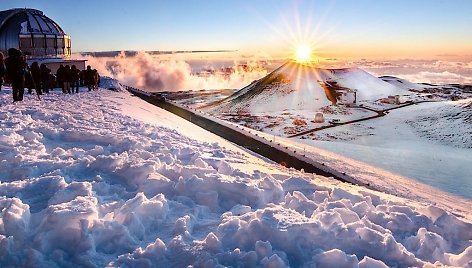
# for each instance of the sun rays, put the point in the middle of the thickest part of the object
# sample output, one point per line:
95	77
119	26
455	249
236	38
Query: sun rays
300	37
303	54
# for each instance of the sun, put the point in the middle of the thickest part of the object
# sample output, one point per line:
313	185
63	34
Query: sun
303	54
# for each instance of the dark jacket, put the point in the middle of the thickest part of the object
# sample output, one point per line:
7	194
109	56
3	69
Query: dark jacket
45	72
3	70
15	65
74	74
36	73
60	74
88	77
67	74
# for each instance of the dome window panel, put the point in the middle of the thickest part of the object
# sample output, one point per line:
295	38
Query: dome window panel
50	41
26	41
34	26
44	27
67	41
39	41
50	51
60	42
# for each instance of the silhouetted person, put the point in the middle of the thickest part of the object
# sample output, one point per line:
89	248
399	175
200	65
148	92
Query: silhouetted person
36	77
45	73
28	80
3	70
96	79
75	76
67	79
88	77
16	66
52	81
82	77
60	77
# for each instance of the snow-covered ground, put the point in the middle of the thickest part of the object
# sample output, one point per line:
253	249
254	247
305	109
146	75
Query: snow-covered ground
104	179
428	142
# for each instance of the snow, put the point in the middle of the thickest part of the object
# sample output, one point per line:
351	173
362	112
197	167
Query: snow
380	166
402	83
449	123
296	86
102	178
368	86
428	142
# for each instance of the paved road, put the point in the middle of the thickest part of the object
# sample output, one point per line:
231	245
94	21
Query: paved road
380	113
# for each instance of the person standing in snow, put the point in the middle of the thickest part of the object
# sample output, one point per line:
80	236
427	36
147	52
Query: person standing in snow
96	79
60	77
75	75
81	78
28	80
36	77
52	81
67	79
15	72
88	77
2	70
45	72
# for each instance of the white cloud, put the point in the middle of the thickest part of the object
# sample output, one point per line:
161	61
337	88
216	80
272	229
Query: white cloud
437	78
152	73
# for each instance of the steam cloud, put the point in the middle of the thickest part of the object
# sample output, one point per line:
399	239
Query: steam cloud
152	73
168	73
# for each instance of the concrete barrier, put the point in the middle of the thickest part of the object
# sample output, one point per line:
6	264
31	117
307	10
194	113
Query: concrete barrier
284	156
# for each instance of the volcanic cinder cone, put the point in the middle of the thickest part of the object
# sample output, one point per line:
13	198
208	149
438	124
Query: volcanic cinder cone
304	86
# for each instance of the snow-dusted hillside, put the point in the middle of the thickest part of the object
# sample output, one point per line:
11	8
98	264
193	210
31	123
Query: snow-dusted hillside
438	92
447	122
402	83
104	179
304	87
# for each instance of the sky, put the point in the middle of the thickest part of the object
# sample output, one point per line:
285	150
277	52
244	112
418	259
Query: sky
342	28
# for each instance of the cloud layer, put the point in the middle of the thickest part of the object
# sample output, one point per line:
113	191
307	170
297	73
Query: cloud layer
418	71
152	73
182	72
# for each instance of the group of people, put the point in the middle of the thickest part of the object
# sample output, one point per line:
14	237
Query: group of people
16	71
70	78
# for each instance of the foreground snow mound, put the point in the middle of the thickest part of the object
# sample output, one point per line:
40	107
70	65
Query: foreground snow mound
302	87
83	184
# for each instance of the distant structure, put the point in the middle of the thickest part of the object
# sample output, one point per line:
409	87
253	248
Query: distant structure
338	94
348	96
391	100
39	37
319	118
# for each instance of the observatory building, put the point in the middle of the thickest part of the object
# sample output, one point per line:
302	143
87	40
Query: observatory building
37	36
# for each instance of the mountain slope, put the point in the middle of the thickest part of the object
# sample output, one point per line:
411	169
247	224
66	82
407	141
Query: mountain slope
297	86
402	83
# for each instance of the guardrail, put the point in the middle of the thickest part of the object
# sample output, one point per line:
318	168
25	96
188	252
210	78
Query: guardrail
285	156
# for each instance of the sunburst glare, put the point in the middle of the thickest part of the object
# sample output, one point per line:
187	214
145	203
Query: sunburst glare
303	53
300	37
